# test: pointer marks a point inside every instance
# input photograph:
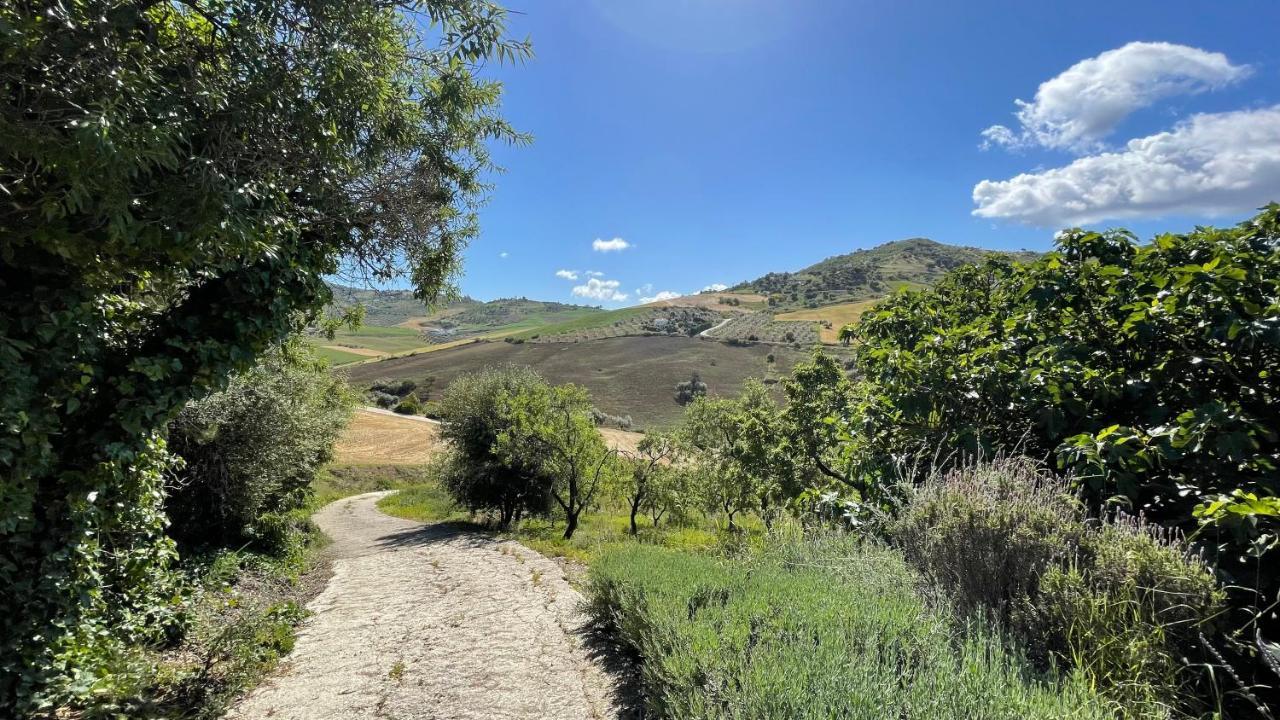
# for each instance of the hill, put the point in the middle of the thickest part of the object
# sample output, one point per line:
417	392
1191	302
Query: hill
867	274
633	376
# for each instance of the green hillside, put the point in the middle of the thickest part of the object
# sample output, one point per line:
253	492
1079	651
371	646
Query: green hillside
506	314
867	274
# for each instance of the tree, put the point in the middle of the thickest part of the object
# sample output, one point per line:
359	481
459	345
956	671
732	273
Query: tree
474	415
644	482
688	391
736	443
820	403
178	180
552	436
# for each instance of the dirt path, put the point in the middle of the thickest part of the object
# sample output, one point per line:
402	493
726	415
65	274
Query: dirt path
433	622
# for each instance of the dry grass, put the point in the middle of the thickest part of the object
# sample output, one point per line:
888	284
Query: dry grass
367	352
711	301
621	439
377	439
838	315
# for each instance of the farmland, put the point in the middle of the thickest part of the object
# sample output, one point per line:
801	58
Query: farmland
830	318
626	375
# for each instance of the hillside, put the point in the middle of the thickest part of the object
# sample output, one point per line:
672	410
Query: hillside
633	376
867	274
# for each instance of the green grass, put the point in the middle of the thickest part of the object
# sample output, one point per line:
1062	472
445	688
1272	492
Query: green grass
384	339
335	482
809	630
589	321
337	357
597	532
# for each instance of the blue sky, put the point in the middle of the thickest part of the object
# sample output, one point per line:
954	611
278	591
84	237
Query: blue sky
722	139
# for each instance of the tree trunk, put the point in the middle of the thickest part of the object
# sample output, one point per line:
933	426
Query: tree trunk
635	508
571	525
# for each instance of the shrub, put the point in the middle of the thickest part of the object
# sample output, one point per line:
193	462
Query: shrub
985	533
808	635
1129	612
383	400
252	450
410	405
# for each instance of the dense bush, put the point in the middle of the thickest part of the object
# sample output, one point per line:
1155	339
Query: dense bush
1129	611
691	389
985	533
1147	371
251	451
811	632
1123	603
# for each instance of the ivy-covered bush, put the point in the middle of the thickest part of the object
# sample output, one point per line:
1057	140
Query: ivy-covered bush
179	178
250	451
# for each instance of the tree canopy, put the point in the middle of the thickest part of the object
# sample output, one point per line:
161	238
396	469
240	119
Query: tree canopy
176	181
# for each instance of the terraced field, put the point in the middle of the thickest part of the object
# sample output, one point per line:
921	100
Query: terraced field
762	327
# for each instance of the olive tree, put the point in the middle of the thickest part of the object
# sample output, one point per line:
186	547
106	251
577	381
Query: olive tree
474	415
178	180
644	484
735	442
552	436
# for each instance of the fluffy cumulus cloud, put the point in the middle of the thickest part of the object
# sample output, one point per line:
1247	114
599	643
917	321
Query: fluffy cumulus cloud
1211	164
715	287
1077	109
598	289
615	245
661	295
567	274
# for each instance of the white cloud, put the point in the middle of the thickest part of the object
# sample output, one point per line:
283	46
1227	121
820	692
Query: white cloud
594	273
1212	164
615	245
1081	106
504	254
567	274
645	288
715	287
661	295
598	289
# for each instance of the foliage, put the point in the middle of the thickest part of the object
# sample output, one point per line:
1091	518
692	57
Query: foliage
252	450
1146	370
1129	612
819	394
810	632
649	481
410	405
474	414
734	442
550	436
986	532
178	179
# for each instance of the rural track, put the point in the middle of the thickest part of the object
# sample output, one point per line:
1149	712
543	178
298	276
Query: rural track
713	328
435	621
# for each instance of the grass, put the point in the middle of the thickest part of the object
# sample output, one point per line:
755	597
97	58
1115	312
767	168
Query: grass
809	630
336	356
586	322
633	376
837	315
597	534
